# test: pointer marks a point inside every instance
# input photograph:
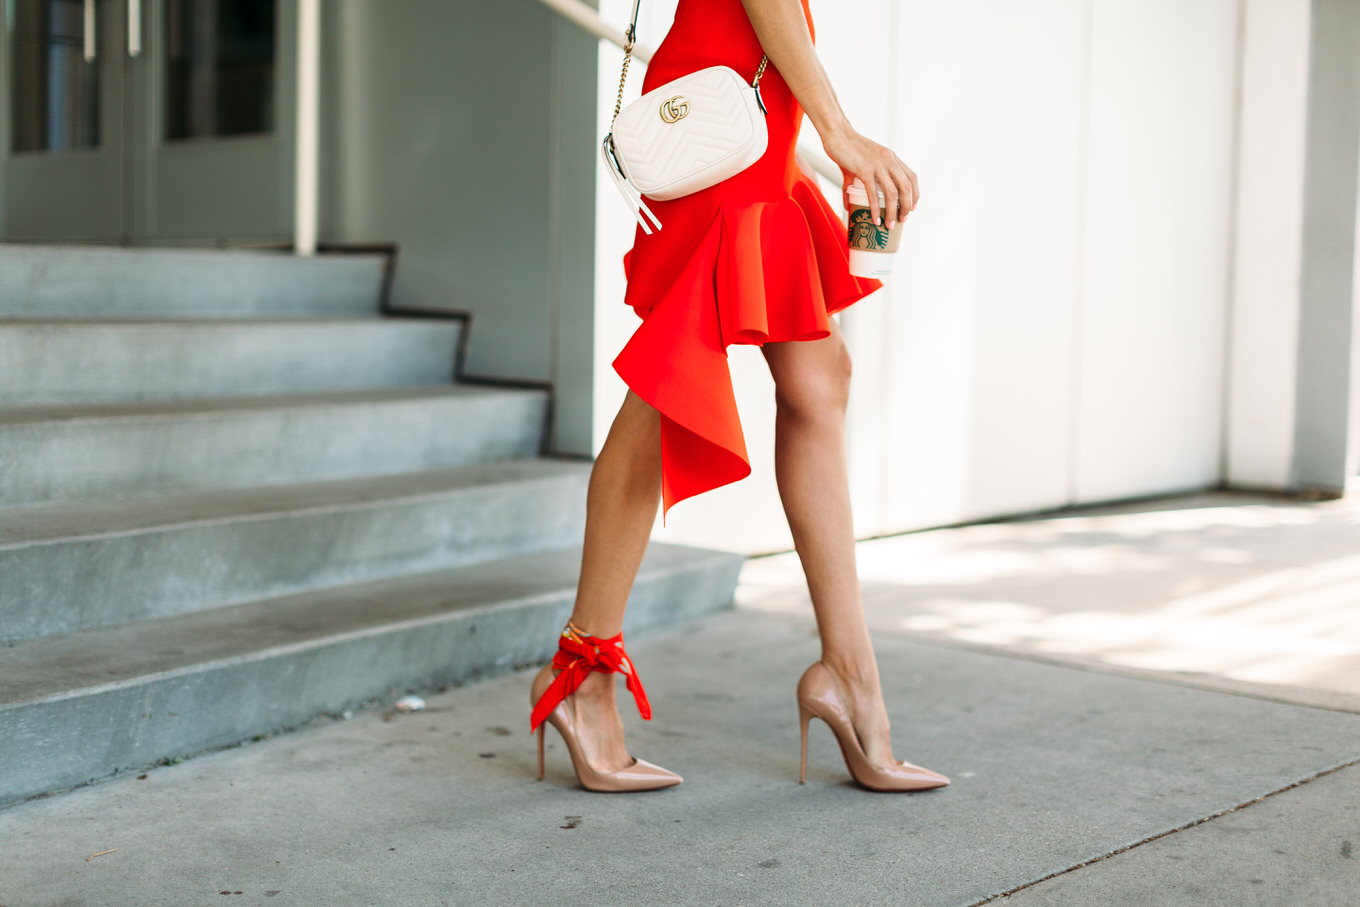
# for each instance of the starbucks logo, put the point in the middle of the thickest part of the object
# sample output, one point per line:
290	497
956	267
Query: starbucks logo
863	234
675	109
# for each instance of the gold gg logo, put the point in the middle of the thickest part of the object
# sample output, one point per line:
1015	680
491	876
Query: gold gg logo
674	109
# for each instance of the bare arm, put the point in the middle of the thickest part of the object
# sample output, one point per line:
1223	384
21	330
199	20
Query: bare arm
783	34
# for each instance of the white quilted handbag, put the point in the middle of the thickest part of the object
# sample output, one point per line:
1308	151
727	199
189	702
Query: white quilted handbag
689	134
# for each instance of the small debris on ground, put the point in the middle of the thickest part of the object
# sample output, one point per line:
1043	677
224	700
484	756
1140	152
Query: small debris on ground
100	853
573	822
409	704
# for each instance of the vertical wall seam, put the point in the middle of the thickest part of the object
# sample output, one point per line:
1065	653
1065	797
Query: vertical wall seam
1293	475
1230	285
1077	334
1353	429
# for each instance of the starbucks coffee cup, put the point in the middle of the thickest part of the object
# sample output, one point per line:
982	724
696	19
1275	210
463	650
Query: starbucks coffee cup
873	249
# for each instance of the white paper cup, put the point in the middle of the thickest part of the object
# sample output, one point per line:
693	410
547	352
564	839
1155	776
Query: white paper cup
877	265
873	249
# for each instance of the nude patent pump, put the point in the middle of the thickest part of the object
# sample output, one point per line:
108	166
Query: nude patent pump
818	698
578	654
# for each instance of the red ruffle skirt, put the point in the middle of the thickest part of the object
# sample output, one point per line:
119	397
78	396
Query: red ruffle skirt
759	258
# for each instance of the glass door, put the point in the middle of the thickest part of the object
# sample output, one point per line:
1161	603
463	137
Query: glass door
63	93
212	147
149	120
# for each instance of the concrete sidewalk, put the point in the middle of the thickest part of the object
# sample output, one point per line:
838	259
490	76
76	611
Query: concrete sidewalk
1166	712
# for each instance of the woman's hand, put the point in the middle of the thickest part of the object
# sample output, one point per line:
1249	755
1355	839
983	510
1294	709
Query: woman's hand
879	169
783	32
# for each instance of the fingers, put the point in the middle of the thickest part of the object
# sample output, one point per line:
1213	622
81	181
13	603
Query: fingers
871	189
901	190
882	173
892	196
907	188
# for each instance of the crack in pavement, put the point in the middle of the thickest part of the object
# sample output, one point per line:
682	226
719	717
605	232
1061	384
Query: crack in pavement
992	898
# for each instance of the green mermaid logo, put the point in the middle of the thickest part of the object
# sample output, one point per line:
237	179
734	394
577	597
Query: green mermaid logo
863	234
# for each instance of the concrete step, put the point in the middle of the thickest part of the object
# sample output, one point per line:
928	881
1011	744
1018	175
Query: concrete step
55	362
53	455
110	282
74	567
84	706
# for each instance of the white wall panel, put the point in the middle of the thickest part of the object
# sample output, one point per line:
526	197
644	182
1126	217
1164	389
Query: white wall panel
1156	246
1268	257
980	331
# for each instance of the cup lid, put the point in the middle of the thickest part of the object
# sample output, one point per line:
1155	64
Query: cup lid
858	195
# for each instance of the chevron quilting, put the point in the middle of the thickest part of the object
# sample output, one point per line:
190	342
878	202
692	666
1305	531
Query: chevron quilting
723	130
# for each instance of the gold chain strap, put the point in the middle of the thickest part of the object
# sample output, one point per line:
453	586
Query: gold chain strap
628	56
618	102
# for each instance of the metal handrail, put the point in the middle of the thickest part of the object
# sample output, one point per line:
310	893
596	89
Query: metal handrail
586	18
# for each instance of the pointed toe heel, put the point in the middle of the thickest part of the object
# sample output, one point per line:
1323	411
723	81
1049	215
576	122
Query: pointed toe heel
818	698
552	697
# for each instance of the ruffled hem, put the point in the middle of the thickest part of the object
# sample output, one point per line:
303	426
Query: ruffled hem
763	272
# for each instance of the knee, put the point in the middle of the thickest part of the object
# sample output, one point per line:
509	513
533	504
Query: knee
817	392
634	440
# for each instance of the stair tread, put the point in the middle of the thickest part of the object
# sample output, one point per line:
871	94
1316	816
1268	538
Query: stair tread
98	280
263	321
88	660
33	525
215	405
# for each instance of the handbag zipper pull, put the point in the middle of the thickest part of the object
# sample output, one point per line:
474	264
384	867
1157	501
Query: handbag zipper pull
631	196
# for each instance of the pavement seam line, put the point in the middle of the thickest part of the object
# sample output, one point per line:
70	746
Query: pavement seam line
992	898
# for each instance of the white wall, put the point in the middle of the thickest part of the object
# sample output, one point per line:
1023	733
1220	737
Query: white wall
1353	457
1057	330
1269	224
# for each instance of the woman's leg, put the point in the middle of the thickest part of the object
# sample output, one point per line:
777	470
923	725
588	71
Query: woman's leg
812	388
624	492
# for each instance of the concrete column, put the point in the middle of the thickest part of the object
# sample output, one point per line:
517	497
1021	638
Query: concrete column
571	214
1327	281
1288	406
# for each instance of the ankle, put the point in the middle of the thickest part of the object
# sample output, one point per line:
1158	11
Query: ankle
596	688
858	674
593	626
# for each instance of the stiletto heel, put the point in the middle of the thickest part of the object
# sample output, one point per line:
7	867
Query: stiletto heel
540	752
804	716
552	695
817	697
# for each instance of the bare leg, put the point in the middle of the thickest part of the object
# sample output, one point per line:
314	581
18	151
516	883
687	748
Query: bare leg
812	386
625	489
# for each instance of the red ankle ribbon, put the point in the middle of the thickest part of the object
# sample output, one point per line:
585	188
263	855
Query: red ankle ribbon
576	657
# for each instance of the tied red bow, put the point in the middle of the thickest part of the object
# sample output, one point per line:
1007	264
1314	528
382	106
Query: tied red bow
576	657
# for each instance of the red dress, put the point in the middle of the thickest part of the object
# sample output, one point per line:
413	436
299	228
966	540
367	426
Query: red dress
760	257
